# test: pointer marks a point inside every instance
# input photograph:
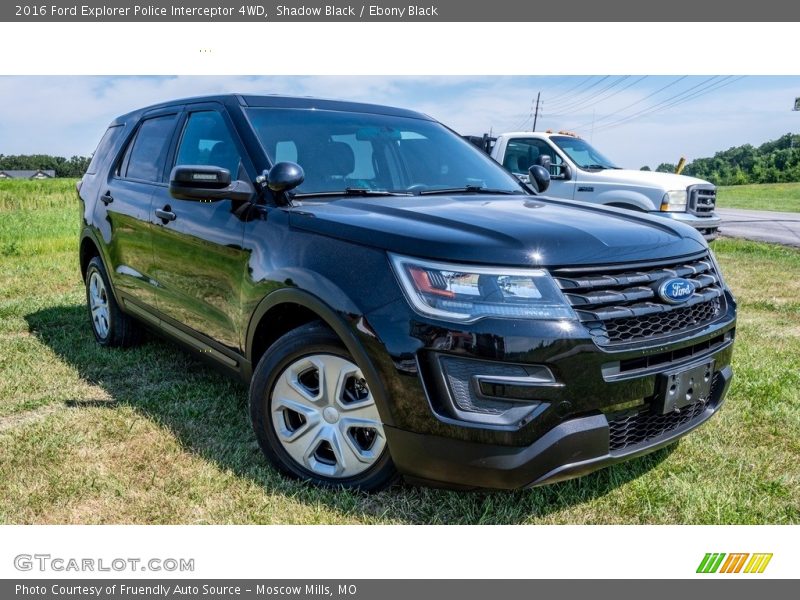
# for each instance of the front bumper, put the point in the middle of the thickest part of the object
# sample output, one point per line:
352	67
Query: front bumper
708	226
567	435
574	448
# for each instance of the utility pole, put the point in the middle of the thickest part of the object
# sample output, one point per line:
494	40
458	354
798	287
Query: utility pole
536	114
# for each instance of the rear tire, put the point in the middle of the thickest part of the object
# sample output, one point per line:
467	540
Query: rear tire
314	416
111	327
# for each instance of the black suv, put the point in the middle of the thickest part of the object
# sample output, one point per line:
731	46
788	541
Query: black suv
397	301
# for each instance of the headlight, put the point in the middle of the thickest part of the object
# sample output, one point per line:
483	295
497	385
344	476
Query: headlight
674	201
467	293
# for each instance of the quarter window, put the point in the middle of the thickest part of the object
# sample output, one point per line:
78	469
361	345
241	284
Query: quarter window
103	148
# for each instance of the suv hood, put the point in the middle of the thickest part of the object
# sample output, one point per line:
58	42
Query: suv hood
502	230
652	179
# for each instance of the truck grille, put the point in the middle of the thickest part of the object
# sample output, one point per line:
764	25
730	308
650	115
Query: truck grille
620	304
702	200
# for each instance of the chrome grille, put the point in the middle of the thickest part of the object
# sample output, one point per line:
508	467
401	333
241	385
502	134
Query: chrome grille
702	200
620	304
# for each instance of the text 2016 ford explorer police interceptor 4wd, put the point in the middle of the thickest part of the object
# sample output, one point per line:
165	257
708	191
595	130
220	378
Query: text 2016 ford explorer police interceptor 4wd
398	302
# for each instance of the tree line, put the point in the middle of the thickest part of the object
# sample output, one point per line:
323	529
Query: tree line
64	167
776	161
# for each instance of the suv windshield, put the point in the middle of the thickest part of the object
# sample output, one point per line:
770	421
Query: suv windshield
582	154
366	153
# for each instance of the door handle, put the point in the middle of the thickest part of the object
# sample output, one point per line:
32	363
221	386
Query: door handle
107	198
165	214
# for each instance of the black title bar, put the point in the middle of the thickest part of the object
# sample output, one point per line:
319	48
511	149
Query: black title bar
403	10
376	589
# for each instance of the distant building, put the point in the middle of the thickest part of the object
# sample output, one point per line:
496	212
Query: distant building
38	174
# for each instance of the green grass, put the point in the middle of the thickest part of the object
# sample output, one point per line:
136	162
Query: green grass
149	435
767	196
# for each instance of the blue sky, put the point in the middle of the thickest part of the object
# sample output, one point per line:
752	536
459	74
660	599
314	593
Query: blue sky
635	120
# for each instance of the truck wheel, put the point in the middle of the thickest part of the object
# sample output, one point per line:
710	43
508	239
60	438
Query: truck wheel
314	415
111	327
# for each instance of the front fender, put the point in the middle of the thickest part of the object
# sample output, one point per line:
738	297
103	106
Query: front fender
632	197
342	318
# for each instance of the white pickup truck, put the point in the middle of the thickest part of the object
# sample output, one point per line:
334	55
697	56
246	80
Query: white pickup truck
579	172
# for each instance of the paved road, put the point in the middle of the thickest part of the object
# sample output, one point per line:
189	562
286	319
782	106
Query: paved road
761	225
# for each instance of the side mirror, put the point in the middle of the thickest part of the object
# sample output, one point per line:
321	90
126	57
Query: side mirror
545	161
206	183
285	176
562	171
539	178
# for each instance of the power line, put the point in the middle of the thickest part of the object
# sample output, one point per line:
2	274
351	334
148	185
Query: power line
534	114
611	95
655	107
526	119
639	101
570	106
726	81
596	83
567	92
570	90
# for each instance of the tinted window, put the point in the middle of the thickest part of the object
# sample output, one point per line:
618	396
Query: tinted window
150	148
363	167
340	150
104	147
206	140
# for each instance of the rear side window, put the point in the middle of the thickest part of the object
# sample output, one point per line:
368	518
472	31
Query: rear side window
149	149
103	148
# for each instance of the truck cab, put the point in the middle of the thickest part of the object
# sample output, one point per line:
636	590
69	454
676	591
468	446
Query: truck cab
580	172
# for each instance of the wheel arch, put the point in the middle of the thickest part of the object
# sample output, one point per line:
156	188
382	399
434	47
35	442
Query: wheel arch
88	250
625	205
291	308
628	199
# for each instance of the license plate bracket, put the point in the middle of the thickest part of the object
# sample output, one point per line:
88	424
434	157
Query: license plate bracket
681	387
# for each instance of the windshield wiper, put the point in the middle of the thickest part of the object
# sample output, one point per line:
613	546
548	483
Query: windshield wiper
470	189
354	191
598	167
351	191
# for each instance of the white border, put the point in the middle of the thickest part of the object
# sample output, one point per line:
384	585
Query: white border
398	48
468	552
403	49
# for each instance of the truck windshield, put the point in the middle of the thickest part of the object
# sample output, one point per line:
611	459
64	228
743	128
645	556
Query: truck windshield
582	153
372	154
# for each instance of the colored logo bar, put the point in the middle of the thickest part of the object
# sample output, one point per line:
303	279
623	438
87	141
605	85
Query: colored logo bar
737	562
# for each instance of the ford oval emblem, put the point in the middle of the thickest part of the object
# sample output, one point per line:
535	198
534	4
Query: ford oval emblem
676	290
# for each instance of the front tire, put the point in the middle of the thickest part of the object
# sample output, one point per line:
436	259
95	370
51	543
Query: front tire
111	327
314	415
